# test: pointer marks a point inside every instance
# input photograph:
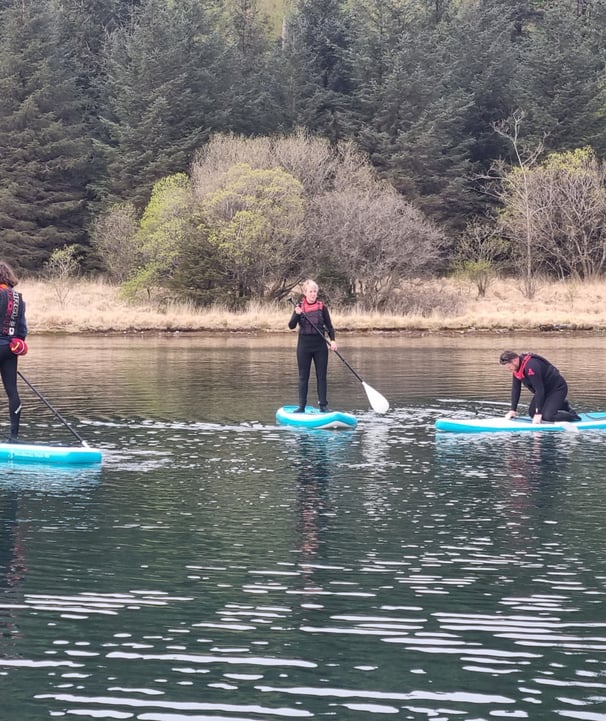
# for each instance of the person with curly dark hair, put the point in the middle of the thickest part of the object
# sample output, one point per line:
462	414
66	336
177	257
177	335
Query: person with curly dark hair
13	331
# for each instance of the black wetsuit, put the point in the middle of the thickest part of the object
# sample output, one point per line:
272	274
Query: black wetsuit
312	346
547	385
12	325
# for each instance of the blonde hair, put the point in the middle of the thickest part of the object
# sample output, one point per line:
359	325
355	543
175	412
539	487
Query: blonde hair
7	275
308	284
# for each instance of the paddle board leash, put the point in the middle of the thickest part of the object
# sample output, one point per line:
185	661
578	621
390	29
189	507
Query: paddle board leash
53	409
379	403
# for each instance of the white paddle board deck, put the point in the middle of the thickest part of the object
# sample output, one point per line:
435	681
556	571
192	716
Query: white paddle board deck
315	418
37	453
588	422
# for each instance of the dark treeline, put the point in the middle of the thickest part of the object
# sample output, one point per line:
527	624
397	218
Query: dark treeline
101	99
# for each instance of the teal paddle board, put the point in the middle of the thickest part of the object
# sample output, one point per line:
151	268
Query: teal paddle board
315	418
37	453
588	422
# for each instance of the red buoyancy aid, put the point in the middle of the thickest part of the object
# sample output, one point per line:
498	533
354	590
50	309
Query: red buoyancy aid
526	358
519	374
313	314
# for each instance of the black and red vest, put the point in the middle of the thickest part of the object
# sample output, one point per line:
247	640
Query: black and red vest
312	313
10	310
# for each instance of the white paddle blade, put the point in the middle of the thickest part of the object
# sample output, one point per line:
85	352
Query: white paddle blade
569	427
379	403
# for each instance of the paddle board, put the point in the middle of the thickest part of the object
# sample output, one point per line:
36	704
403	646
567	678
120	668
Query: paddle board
35	453
315	418
588	422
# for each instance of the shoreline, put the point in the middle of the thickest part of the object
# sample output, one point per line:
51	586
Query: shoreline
436	307
386	333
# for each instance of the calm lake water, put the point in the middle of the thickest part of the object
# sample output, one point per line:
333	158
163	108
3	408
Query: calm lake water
218	567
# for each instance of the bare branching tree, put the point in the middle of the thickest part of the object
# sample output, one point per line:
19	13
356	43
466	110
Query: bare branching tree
553	212
373	239
478	252
310	160
61	268
569	189
520	218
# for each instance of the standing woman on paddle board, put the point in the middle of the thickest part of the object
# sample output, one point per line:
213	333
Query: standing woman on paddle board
312	344
13	330
544	381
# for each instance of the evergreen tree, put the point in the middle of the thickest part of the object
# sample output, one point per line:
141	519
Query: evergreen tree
316	45
83	31
167	89
44	166
558	83
427	119
256	74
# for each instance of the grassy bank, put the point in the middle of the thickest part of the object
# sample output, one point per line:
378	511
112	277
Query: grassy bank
432	306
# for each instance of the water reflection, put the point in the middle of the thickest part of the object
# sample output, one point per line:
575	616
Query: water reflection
220	567
532	459
317	454
313	474
13	569
52	479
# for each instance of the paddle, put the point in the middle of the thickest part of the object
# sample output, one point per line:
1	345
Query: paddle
54	410
379	403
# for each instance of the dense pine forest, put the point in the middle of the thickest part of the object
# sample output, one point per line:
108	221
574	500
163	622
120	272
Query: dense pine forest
218	149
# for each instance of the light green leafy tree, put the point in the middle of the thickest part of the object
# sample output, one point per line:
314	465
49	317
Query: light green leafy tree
255	220
162	230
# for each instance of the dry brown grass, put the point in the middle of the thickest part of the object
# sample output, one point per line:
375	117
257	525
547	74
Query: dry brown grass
436	305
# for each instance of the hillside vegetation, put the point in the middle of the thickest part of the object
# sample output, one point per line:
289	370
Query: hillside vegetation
479	127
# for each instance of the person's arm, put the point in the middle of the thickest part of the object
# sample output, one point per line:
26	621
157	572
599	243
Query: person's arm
295	319
21	329
534	370
329	327
516	389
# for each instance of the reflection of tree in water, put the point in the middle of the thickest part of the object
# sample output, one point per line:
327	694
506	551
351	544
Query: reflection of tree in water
13	567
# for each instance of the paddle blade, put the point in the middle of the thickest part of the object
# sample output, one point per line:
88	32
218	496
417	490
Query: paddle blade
379	403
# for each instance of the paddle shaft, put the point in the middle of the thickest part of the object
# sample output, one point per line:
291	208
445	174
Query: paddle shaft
53	409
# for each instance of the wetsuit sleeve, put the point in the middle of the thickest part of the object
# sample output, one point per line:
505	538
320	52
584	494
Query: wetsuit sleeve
328	323
516	389
21	329
294	320
538	382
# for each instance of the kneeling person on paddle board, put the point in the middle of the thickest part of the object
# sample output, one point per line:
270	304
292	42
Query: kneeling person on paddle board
313	319
13	330
544	381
